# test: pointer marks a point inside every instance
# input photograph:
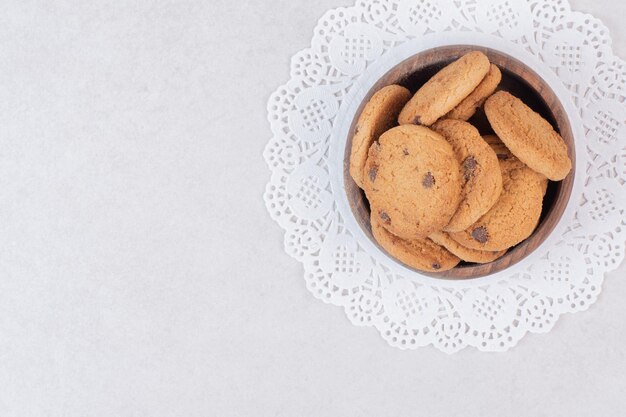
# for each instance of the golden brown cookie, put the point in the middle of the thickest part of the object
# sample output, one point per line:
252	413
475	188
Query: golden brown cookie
445	90
412	180
528	135
480	172
467	108
379	115
466	254
422	254
514	216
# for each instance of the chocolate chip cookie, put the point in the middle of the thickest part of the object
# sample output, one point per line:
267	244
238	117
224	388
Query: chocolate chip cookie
480	172
514	216
445	90
412	181
528	135
422	254
466	254
379	115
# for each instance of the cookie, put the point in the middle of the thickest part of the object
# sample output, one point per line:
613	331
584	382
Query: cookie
514	216
468	107
379	115
466	254
480	172
412	179
528	135
422	254
502	152
445	90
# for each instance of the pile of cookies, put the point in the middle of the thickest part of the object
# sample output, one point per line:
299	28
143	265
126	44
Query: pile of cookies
439	192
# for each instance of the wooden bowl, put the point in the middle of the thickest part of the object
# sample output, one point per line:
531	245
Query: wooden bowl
522	82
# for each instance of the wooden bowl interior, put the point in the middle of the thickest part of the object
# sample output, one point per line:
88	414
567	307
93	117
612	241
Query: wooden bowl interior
520	81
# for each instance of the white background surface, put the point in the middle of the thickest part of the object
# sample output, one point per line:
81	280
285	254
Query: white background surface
140	272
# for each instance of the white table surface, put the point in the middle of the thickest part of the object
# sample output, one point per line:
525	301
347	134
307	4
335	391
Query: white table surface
140	272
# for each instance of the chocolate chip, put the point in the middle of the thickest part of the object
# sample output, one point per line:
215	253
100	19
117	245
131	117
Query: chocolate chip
503	156
417	120
428	180
469	166
372	173
436	266
405	152
385	217
356	129
480	234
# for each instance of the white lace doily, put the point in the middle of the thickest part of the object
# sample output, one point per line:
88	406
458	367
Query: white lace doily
310	116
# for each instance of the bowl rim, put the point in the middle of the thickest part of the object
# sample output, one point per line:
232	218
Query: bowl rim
347	114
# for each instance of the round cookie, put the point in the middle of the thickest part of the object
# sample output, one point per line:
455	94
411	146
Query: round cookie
379	115
480	172
445	90
514	216
412	178
468	107
466	254
528	135
422	254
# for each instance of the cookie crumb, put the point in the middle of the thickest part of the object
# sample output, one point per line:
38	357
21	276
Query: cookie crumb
480	234
428	180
